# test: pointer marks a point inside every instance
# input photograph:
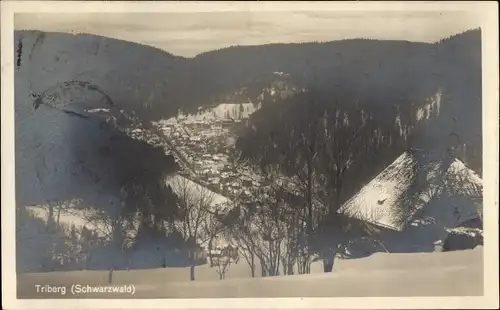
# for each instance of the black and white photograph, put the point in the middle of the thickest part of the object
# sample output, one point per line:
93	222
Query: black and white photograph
250	152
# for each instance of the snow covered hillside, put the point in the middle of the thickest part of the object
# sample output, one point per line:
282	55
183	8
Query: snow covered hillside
62	160
50	143
382	275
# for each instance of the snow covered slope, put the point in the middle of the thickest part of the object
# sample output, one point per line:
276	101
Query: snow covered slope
50	144
382	275
60	156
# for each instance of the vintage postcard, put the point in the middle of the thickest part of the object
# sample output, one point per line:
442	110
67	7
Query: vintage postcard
249	155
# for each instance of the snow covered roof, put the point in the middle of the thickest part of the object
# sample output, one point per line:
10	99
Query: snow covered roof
416	174
177	182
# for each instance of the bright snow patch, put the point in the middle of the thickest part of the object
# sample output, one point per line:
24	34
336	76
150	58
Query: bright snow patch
457	273
223	111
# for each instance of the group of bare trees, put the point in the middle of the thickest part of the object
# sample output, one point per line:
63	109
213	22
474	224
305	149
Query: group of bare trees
193	221
266	220
316	154
201	223
263	233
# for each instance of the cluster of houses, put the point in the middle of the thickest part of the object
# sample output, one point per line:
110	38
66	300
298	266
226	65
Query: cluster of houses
204	145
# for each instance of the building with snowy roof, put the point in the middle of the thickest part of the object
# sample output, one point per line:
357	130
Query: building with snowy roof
416	200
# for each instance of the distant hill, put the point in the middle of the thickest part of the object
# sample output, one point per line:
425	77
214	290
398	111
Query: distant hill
156	85
132	75
365	66
439	83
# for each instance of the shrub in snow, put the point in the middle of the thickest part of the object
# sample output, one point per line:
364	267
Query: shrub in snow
462	238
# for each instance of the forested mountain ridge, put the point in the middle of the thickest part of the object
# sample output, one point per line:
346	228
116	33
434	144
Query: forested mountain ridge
411	71
403	82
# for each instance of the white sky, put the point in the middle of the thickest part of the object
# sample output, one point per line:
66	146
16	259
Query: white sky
188	34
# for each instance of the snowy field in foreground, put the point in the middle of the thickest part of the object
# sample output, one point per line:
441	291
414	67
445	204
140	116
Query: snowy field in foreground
381	275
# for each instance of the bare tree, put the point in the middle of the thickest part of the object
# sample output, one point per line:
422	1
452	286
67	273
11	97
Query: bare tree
223	259
266	236
241	235
318	147
195	204
342	136
222	263
290	251
214	228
